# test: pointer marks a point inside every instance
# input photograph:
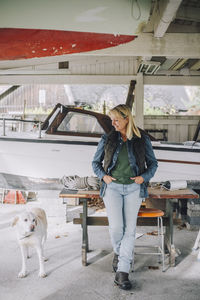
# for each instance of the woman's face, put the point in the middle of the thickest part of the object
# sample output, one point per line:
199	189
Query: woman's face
119	122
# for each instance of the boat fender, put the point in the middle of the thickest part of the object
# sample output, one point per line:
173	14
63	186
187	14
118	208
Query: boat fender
175	185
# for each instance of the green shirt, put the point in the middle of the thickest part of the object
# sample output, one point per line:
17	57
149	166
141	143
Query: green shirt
122	170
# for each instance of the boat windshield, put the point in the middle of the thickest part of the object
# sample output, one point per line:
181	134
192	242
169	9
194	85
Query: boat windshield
54	116
83	123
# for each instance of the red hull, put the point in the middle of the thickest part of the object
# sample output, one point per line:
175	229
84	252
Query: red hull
30	43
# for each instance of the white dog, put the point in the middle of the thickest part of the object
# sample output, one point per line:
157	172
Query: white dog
31	231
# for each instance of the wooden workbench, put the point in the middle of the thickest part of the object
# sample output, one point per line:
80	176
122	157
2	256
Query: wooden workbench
154	193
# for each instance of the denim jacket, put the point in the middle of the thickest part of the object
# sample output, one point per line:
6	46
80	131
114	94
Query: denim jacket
151	162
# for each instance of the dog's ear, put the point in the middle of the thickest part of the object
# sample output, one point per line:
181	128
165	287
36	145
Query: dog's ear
15	220
36	221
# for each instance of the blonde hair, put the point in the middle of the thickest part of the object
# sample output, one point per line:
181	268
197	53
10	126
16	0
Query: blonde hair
122	110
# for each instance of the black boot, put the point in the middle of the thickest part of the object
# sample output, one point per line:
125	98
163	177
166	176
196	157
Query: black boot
115	262
121	279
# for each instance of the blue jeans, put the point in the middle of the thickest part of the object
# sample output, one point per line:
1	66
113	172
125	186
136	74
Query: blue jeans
122	203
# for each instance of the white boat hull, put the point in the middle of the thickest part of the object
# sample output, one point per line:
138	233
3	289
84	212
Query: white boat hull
53	159
45	160
176	171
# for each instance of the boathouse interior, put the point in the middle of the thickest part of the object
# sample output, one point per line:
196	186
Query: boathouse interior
50	49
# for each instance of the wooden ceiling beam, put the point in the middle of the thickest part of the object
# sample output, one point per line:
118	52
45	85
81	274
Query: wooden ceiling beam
196	66
164	13
99	79
188	13
171	45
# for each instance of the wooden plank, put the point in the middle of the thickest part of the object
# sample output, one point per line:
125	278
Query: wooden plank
158	193
103	221
93	221
117	68
126	67
155	193
183	133
172	133
65	193
121	68
167	121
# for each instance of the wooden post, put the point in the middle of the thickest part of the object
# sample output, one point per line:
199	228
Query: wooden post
196	132
130	96
139	101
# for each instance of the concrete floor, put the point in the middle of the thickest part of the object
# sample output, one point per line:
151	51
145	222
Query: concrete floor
68	279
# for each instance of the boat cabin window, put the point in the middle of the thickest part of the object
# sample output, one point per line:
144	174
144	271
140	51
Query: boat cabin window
83	123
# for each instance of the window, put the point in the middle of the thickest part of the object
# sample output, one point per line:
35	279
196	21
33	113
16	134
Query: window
82	123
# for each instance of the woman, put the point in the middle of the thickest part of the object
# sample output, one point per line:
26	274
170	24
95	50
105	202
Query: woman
129	164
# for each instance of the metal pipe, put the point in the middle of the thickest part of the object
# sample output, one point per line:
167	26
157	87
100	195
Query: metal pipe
39	128
4	127
20	124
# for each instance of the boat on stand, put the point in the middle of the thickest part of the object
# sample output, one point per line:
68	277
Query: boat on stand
64	145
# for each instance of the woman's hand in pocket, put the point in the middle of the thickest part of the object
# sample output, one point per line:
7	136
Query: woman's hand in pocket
108	179
138	179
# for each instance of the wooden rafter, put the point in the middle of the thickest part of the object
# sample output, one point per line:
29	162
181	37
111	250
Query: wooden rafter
130	96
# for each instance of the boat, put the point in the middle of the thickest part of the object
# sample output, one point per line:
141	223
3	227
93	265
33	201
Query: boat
177	161
65	143
42	29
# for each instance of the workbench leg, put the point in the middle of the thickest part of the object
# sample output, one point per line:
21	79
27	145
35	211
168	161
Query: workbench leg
65	202
196	244
85	247
169	243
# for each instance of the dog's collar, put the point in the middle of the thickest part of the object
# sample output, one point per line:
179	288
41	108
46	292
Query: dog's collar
22	238
25	236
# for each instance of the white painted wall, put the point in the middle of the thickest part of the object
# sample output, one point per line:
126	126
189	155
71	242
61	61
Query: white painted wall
180	128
